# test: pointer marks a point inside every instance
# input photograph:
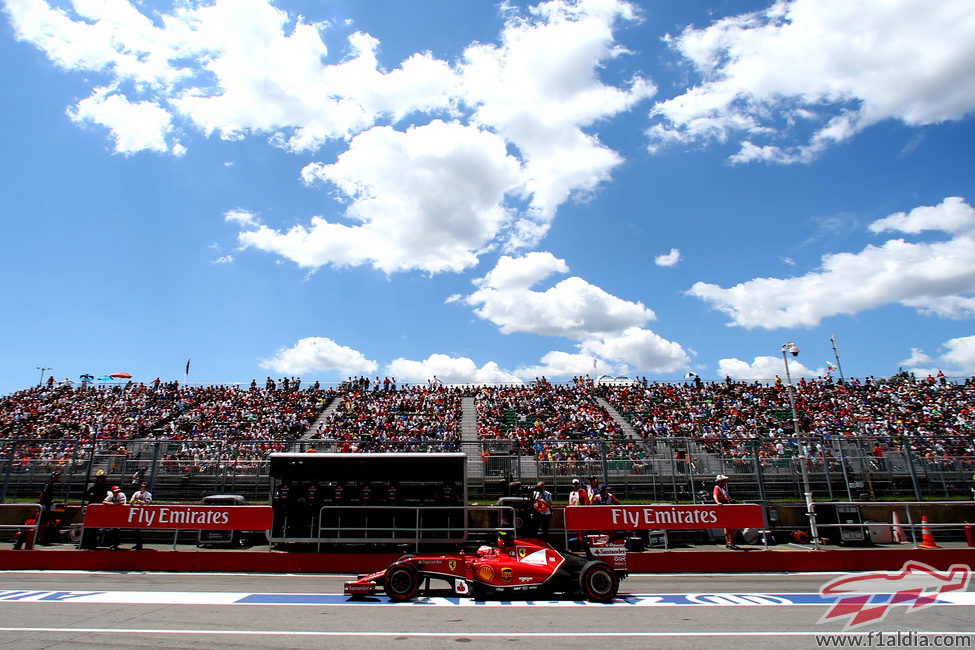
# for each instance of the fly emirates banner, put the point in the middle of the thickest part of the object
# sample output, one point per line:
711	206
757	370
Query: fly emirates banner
598	517
179	517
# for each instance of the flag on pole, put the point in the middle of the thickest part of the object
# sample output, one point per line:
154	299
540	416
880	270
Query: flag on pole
831	366
187	366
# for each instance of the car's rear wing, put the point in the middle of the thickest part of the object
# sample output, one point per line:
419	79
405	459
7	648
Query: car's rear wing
600	547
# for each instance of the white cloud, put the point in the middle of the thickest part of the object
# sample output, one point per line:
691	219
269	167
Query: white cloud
605	326
234	68
639	348
225	259
668	259
267	80
932	277
765	369
316	353
917	358
449	370
429	198
635	350
141	126
539	89
557	364
832	67
241	217
961	353
952	216
957	359
572	308
954	307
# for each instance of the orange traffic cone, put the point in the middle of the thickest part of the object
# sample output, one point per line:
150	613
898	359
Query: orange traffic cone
927	539
899	536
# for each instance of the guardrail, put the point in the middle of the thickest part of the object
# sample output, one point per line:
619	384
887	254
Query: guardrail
854	530
211	467
31	530
414	525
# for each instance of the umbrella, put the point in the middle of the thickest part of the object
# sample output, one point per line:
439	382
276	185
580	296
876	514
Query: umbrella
104	378
121	375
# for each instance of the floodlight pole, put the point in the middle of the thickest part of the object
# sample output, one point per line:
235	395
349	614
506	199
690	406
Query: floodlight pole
790	347
836	355
41	380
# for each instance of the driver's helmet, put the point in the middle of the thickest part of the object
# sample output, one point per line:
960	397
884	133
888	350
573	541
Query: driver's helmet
484	550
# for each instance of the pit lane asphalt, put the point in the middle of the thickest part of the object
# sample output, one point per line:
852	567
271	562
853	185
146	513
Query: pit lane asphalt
82	625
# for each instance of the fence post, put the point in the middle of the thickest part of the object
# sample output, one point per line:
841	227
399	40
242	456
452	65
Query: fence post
907	510
602	455
760	477
67	487
673	467
941	473
910	467
846	476
6	474
155	464
517	455
826	473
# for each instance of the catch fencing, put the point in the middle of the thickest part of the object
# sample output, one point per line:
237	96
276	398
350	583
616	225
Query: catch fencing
659	469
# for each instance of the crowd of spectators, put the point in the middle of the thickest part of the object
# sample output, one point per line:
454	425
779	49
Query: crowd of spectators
562	426
414	418
64	411
203	425
935	417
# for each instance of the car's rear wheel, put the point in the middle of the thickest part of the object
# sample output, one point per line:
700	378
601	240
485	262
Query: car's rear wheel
598	582
401	582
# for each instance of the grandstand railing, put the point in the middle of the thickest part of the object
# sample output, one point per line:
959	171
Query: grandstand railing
415	525
638	468
30	528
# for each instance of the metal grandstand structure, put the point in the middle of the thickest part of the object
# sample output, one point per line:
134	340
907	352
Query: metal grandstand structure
668	470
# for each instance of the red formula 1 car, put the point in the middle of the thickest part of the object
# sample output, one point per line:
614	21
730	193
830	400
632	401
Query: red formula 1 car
512	568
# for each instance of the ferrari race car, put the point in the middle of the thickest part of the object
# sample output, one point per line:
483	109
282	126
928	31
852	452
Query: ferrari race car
514	567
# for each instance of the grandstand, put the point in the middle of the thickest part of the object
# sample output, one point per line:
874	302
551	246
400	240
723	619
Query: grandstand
864	439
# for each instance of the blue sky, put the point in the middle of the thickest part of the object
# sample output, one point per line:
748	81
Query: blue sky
486	192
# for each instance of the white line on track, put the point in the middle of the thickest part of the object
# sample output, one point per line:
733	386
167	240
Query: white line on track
443	635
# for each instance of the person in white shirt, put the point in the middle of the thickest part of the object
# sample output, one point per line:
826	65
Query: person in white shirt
141	497
115	497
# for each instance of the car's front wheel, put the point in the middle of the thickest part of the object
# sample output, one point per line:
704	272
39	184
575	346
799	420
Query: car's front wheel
401	582
599	583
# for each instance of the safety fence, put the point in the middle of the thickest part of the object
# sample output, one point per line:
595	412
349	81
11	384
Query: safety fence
660	469
25	534
400	525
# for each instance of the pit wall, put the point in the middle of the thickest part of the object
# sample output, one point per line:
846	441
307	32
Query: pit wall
791	560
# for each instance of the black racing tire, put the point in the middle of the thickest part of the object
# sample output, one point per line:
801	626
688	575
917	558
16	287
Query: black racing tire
401	582
598	582
479	591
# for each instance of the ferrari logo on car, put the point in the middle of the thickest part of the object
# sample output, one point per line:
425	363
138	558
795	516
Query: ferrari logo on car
452	564
521	551
506	574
